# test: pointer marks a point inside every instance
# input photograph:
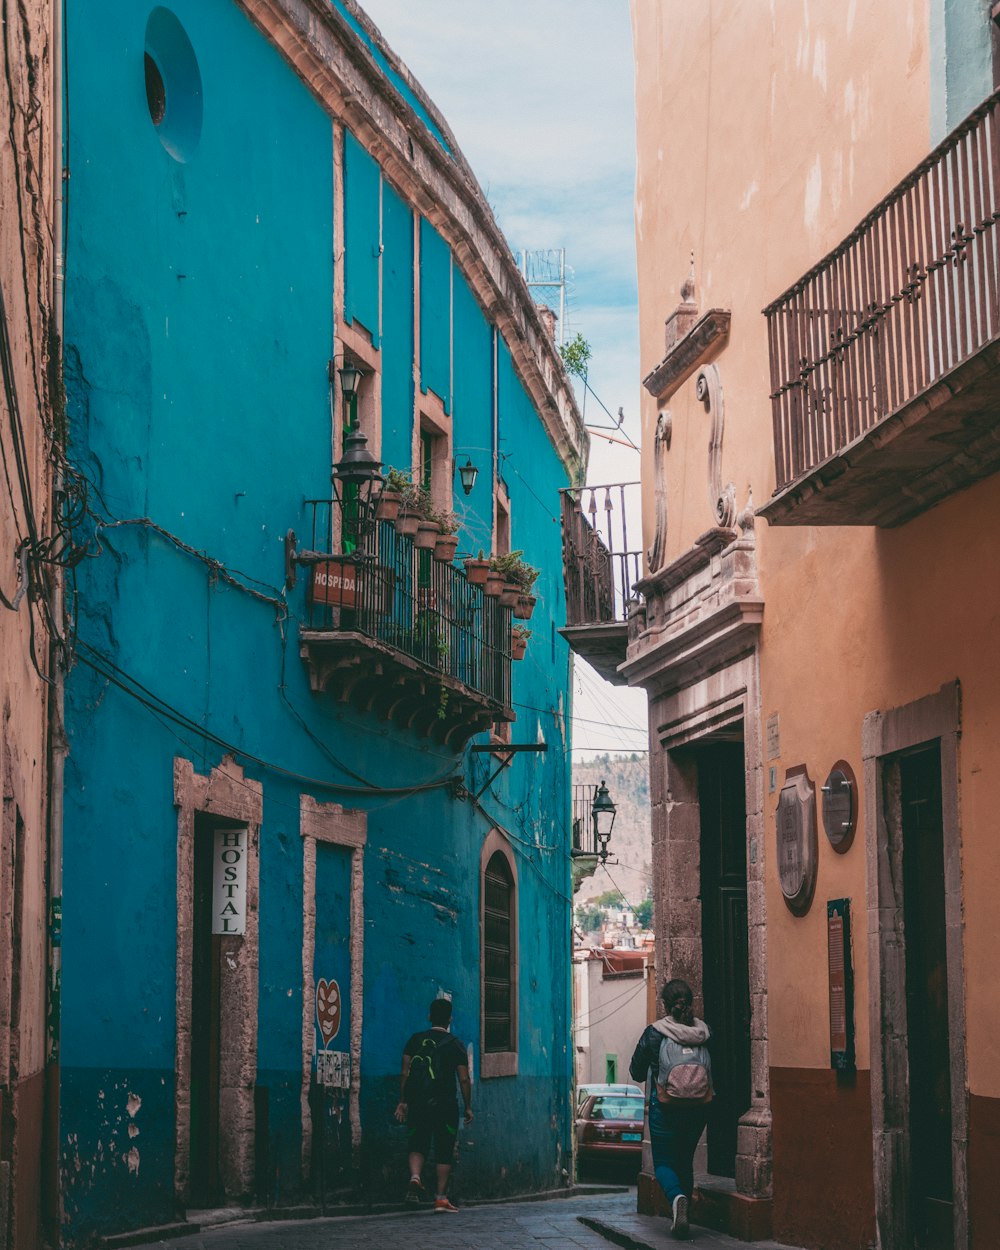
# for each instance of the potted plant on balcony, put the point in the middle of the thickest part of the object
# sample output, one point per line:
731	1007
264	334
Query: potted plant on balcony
477	569
519	636
397	483
494	582
447	540
519	578
427	532
431	642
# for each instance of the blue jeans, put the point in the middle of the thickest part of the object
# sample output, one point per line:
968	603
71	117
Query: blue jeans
674	1132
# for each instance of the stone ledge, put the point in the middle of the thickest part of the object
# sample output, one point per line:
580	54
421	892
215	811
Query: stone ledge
694	349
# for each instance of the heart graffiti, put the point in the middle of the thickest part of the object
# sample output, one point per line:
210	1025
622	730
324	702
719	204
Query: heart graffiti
328	1009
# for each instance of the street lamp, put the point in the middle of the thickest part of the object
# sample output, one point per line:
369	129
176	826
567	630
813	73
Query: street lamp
357	484
350	380
602	813
468	473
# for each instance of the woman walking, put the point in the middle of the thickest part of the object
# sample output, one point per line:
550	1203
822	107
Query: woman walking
673	1051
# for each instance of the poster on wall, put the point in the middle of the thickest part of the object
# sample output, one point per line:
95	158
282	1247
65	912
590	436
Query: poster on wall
229	882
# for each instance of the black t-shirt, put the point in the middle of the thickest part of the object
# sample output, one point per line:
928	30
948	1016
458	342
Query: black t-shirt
449	1056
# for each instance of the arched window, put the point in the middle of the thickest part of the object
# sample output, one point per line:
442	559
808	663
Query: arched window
499	959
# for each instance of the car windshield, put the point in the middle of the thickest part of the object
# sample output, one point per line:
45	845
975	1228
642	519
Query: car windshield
616	1108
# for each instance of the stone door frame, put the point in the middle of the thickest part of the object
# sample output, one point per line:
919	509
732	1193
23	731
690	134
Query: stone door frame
227	794
886	736
333	824
681	719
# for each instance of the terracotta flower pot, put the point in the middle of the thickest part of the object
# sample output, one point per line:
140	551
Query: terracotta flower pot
389	503
509	595
426	536
524	607
518	646
493	586
476	572
406	524
445	548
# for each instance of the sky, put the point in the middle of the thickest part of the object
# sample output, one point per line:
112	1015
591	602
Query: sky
539	95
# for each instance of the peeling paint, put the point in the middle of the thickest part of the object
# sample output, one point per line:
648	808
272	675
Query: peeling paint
132	1160
133	1105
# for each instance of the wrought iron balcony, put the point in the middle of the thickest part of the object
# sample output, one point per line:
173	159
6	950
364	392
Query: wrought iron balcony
397	633
599	570
885	357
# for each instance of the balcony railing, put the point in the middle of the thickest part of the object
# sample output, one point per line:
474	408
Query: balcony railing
455	639
600	566
908	297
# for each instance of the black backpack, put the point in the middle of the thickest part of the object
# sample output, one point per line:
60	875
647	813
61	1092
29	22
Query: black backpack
421	1080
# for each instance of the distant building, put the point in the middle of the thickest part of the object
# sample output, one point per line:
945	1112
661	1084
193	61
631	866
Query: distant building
815	617
613	986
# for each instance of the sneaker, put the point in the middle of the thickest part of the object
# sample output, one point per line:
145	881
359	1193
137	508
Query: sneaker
681	1229
415	1192
443	1204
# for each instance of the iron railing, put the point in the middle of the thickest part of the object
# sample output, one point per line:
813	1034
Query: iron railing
584	833
402	597
599	566
908	295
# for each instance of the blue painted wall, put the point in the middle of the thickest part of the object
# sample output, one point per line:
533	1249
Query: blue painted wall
199	323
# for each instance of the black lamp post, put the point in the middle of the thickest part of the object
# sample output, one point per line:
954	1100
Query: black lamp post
357	484
602	813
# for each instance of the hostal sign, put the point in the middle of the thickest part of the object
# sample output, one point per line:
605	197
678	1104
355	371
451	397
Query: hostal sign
229	881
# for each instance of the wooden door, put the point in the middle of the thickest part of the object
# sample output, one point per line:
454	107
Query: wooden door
927	998
725	943
205	1186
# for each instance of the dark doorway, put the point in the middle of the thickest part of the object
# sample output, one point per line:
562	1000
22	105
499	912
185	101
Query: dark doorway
205	1187
927	998
725	942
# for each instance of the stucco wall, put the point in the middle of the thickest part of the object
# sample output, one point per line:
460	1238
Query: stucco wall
204	302
759	165
26	139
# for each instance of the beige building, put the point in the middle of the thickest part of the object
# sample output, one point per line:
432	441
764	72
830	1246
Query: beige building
816	618
28	605
611	996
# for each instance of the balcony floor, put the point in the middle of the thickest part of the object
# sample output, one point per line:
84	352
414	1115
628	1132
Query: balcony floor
377	679
944	440
603	646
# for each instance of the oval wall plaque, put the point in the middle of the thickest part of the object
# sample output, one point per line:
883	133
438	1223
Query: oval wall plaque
840	807
797	847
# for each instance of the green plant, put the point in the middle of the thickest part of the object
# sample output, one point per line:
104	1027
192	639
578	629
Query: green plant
576	355
417	502
520	631
515	570
398	480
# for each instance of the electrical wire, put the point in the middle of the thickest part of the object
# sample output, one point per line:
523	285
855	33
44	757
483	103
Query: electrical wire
106	668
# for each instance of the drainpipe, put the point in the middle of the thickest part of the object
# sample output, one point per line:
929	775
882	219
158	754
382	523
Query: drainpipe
57	747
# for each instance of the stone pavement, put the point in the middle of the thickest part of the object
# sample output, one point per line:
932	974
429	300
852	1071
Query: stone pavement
577	1223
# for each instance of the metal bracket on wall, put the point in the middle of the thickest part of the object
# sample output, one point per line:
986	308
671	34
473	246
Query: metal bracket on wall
506	751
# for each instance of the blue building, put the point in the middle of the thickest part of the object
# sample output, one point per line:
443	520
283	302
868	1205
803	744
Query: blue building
286	824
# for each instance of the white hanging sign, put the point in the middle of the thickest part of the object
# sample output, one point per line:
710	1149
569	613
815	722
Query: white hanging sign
229	879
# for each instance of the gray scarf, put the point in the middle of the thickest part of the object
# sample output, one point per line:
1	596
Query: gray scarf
683	1034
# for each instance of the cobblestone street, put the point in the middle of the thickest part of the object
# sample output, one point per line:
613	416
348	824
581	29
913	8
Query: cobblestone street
590	1223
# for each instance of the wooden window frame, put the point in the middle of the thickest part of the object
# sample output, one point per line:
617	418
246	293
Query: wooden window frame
500	1063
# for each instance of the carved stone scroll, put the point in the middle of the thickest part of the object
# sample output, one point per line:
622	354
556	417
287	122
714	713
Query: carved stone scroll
722	500
657	553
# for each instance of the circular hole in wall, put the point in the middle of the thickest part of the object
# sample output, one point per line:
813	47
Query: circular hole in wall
173	85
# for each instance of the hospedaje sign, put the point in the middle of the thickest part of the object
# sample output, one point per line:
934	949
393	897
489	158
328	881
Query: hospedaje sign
335	583
229	882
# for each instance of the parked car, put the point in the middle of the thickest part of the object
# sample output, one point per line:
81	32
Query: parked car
609	1128
583	1092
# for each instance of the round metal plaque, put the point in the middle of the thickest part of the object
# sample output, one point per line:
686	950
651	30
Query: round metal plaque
797	846
840	807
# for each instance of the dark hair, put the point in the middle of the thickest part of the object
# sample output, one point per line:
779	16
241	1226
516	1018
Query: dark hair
440	1013
678	1000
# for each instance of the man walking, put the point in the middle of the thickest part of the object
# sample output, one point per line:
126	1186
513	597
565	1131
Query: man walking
427	1103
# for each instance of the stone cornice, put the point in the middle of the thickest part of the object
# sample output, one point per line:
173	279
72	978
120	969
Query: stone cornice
339	69
691	351
697	556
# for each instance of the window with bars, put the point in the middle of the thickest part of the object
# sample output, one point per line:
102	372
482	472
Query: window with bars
498	964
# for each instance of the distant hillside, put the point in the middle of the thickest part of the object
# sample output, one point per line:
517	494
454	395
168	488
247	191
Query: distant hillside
627	778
